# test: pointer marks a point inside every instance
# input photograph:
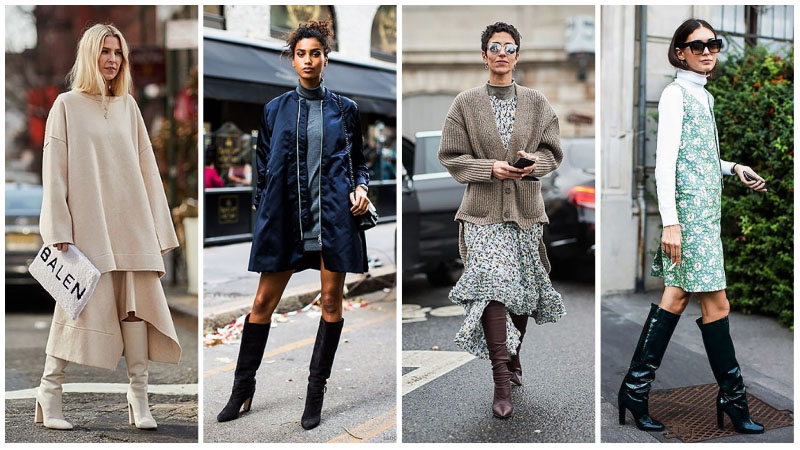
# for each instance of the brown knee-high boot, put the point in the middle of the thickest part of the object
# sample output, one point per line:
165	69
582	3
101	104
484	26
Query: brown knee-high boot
494	328
515	366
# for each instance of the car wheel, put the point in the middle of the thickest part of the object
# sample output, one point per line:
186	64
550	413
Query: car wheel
446	274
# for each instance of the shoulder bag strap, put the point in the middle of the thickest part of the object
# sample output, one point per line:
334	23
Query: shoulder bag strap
347	144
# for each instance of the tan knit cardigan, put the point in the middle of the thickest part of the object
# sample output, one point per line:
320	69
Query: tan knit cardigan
471	144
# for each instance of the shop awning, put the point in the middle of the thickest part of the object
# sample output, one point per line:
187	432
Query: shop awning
244	73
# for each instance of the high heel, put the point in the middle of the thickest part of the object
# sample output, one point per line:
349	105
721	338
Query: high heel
48	409
494	329
621	413
134	339
634	392
319	370
732	395
251	351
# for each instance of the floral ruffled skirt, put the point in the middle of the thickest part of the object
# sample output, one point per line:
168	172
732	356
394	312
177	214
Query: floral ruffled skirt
503	265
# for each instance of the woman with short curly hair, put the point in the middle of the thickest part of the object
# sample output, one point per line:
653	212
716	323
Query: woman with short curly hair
498	139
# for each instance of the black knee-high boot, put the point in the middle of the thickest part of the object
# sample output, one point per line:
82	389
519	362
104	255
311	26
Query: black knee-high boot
635	390
251	350
319	370
731	398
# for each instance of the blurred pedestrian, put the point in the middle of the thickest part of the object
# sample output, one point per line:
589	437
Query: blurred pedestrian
210	175
303	217
689	184
103	194
498	139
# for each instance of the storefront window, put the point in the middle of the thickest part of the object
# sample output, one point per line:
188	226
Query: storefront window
285	18
384	34
229	157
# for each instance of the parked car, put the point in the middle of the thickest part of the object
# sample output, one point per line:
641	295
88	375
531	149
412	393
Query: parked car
431	197
23	241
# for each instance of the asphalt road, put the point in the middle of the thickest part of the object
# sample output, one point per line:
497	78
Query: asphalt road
99	415
556	402
764	350
360	405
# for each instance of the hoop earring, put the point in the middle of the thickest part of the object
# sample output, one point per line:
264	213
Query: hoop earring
486	65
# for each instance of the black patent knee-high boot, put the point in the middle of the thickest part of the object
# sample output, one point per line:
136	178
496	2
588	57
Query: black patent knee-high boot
494	329
515	366
732	397
635	390
251	350
319	370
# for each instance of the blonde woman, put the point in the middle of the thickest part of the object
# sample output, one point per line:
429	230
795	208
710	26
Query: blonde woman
103	194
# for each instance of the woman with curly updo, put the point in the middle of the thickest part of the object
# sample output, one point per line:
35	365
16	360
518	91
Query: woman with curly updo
306	208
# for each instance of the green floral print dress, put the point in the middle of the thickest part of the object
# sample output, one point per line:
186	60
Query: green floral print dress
698	194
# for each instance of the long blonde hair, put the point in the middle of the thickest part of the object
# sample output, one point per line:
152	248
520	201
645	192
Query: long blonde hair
85	75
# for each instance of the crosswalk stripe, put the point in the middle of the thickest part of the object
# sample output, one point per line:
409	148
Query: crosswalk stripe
108	388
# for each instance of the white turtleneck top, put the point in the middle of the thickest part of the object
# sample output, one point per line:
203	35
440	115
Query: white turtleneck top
670	121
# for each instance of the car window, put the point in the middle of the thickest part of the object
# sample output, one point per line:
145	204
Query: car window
580	153
428	147
27	199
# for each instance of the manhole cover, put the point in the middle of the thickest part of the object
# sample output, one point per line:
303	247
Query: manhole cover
690	413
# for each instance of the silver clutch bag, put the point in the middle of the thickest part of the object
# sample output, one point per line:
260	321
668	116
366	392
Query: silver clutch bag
69	277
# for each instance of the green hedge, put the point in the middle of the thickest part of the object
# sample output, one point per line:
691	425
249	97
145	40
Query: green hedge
754	104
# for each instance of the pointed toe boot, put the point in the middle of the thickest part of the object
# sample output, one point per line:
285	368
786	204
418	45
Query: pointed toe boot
251	351
732	395
319	370
494	328
48	409
635	390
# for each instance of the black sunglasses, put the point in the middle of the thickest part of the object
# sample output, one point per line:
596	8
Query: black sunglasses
510	49
697	47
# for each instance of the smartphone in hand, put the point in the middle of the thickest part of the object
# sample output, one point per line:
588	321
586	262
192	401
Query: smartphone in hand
523	163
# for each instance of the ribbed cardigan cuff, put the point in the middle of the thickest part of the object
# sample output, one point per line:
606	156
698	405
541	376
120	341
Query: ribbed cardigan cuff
466	169
545	163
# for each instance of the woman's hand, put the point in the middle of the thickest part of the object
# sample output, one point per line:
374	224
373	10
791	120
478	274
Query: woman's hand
671	242
61	246
360	201
758	184
530	156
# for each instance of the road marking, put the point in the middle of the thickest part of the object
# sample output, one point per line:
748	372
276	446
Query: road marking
370	428
430	366
295	345
448	311
108	388
414	313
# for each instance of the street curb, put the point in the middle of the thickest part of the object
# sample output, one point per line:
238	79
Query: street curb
296	298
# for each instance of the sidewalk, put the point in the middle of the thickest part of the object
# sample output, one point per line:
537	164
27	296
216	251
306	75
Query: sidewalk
764	349
229	288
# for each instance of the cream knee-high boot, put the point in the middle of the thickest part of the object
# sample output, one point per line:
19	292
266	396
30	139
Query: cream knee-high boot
48	397
134	338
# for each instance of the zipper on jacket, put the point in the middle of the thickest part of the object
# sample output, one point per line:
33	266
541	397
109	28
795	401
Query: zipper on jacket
319	176
297	153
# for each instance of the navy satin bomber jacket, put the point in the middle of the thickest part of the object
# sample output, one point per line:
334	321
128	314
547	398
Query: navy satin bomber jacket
283	199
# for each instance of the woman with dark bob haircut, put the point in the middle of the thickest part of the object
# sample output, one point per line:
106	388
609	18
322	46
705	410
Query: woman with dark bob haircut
689	183
305	213
498	139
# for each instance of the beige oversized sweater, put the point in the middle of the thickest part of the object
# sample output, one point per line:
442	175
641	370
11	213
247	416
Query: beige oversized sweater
471	144
102	189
